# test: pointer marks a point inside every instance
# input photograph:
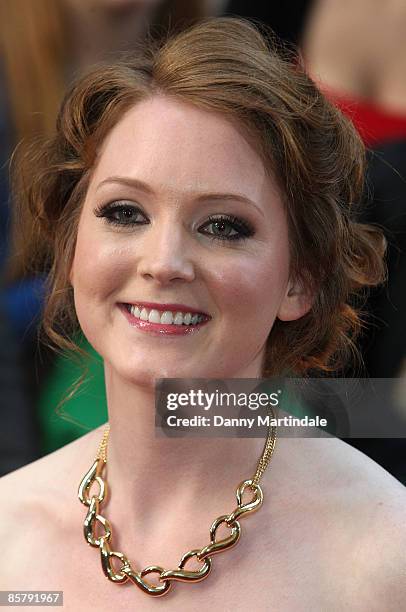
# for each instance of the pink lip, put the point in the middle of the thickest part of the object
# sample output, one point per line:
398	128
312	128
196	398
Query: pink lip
172	307
159	329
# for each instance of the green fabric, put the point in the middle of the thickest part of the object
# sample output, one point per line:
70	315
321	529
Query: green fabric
87	407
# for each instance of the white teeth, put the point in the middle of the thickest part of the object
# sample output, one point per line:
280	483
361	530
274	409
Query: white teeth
144	315
167	317
178	320
154	317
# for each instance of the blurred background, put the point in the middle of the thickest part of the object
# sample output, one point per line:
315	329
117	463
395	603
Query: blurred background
355	51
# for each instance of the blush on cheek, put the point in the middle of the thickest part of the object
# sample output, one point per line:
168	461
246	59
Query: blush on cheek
98	267
252	288
236	282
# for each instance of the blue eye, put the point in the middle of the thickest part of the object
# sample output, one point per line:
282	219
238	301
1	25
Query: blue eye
225	227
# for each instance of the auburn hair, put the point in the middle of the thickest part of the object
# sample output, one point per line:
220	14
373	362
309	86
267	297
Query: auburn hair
231	66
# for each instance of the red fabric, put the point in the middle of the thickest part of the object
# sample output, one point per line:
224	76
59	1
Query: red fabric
374	124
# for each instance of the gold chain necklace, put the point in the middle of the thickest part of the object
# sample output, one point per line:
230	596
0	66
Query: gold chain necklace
126	572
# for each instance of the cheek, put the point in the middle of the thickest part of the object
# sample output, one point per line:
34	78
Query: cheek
252	288
98	272
97	268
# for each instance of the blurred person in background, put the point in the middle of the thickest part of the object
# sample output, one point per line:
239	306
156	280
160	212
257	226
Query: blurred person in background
44	44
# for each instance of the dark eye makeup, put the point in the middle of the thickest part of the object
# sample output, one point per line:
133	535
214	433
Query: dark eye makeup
124	215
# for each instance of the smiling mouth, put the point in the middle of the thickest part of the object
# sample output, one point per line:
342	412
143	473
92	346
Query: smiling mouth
166	317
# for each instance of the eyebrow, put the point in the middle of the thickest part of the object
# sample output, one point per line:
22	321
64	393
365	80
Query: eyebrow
141	186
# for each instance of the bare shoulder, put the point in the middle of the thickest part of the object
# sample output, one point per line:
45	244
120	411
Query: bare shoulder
376	504
38	503
45	475
349	514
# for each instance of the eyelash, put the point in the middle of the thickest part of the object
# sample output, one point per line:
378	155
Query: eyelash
245	230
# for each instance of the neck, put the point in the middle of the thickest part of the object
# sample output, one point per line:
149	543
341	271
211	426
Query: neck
167	489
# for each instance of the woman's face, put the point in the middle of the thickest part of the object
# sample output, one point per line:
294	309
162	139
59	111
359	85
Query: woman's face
198	222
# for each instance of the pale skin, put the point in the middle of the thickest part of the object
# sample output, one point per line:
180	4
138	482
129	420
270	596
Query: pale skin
358	48
331	518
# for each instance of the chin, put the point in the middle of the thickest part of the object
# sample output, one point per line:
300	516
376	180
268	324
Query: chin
147	377
144	376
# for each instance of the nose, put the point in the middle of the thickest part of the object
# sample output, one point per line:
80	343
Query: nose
165	254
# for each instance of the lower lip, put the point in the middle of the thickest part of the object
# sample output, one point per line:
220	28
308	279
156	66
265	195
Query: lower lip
160	329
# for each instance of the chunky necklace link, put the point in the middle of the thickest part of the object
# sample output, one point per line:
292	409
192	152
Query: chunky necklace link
203	555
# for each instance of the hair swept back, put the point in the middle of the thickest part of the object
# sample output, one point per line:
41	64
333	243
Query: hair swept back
227	65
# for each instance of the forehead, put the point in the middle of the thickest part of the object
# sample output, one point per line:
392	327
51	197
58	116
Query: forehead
169	143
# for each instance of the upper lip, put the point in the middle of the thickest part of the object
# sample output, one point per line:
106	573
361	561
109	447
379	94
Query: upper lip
172	307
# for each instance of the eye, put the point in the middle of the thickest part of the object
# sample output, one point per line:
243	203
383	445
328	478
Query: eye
225	227
121	214
228	227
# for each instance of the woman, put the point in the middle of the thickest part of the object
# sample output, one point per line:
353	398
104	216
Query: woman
210	176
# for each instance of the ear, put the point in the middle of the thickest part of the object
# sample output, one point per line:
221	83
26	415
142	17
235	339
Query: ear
296	302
